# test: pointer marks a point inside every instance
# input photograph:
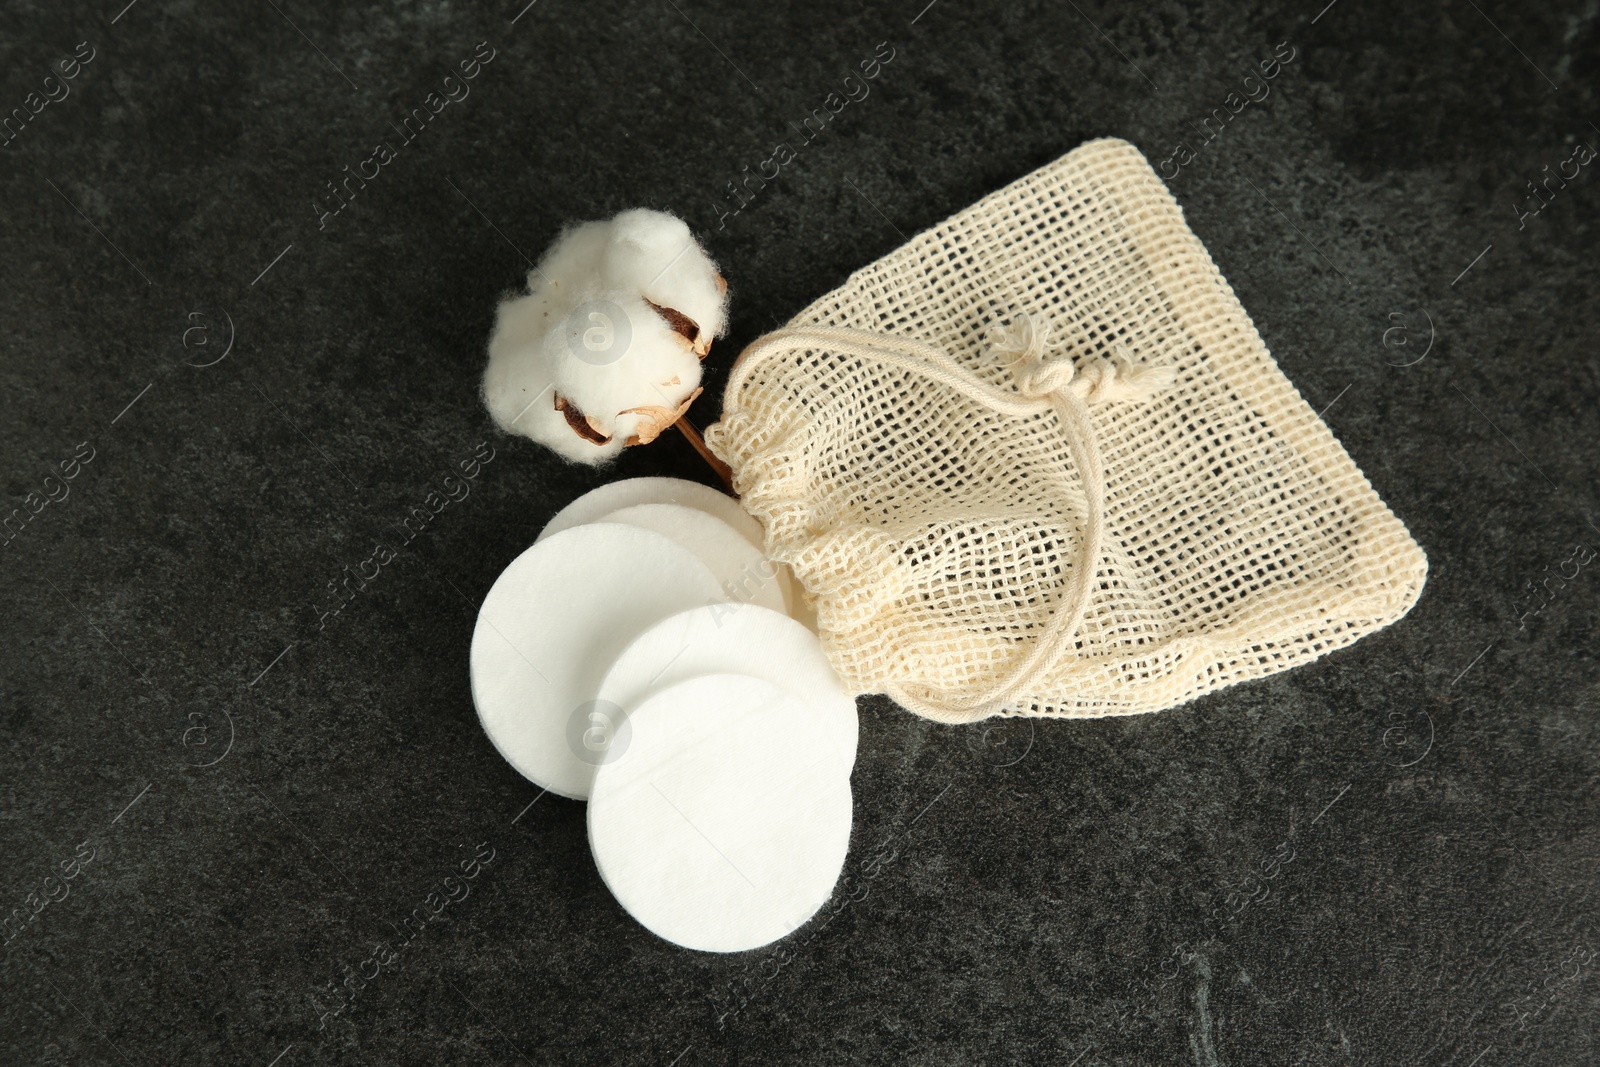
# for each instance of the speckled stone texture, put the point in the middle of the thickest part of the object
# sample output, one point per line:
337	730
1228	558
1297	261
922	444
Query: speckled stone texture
277	836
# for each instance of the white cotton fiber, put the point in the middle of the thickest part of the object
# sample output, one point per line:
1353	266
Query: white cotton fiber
517	385
576	257
604	351
655	255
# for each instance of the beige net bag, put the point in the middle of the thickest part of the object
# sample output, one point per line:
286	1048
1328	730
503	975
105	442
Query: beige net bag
1038	461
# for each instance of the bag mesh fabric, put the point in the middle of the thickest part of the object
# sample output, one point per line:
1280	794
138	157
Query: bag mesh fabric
935	535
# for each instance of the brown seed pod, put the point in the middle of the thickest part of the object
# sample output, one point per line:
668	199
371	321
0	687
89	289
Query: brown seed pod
658	418
581	424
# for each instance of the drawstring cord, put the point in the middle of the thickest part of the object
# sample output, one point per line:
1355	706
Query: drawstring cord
1046	380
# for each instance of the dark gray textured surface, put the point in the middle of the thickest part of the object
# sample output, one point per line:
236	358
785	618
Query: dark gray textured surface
1418	812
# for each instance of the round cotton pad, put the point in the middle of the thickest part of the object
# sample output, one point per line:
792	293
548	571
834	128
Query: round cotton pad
745	574
613	496
725	824
736	638
549	630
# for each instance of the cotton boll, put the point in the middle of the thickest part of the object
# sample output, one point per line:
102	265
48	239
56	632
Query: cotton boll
604	351
638	386
654	254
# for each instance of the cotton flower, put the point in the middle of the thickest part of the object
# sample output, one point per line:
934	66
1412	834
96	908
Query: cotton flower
604	350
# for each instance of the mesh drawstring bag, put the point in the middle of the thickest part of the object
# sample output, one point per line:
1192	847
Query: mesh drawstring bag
1038	461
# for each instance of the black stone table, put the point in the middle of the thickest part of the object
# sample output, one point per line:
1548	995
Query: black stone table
240	343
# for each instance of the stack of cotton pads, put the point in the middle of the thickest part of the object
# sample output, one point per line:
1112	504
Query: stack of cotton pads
642	656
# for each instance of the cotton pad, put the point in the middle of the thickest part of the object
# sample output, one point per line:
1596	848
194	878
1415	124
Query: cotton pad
736	638
614	496
725	824
745	574
551	627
